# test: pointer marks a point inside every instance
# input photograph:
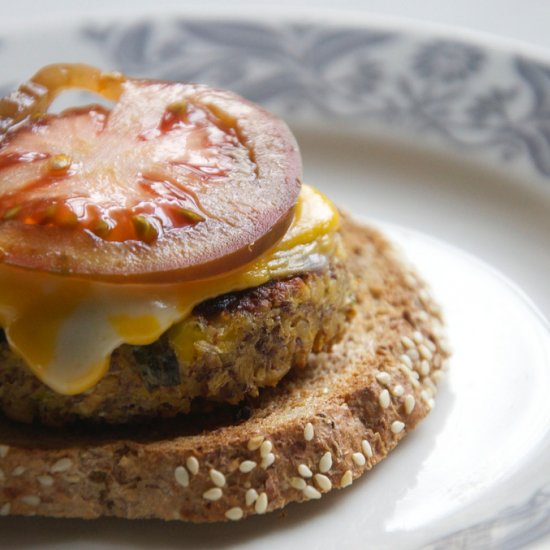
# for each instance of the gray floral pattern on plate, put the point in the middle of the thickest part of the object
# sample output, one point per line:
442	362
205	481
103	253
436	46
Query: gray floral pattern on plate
512	528
440	91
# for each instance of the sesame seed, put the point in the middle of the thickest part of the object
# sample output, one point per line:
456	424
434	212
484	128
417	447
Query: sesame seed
430	345
298	483
247	466
250	497
325	464
325	391
17	471
234	514
438	375
359	459
415	375
445	346
192	465
265	448
2	475
181	476
267	461
409	403
260	505
398	390
323	482
384	399
255	442
423	315
424	352
45	481
366	448
347	479
4	450
217	477
431	403
304	471
418	337
383	378
424	295
409	373
407	342
62	465
430	385
413	354
424	368
31	500
397	426
425	395
406	360
311	492
308	431
5	509
407	369
213	494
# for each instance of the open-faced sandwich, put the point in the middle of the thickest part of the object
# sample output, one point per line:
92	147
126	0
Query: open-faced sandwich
188	332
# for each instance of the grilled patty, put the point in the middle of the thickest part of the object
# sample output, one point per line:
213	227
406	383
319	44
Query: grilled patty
235	344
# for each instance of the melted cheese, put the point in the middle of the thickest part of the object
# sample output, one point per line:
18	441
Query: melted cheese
66	329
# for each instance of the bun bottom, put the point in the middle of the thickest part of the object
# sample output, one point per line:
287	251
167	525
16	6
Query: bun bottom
319	429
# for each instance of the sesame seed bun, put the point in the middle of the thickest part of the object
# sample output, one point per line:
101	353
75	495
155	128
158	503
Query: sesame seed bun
319	429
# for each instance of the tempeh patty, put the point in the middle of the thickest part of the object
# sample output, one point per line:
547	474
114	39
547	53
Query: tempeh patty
234	345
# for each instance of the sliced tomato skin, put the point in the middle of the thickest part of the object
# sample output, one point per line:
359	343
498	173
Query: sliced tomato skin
246	213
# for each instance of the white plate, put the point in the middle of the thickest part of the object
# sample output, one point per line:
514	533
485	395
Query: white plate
442	139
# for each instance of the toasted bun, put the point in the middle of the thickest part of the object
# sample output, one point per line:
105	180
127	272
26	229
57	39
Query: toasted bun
319	429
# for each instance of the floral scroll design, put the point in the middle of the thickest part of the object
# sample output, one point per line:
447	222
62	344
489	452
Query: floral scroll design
290	64
512	528
441	88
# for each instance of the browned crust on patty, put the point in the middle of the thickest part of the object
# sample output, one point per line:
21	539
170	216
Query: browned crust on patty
333	416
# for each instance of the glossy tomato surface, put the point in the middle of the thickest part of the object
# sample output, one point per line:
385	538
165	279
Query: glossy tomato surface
175	182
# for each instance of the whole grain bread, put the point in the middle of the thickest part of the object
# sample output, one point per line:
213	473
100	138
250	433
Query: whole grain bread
319	429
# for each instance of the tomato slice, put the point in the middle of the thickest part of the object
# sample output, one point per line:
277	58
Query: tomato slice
175	182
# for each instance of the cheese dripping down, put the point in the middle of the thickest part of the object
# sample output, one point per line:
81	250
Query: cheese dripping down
65	329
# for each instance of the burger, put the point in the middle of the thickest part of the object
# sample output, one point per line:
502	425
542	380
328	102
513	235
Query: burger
188	331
